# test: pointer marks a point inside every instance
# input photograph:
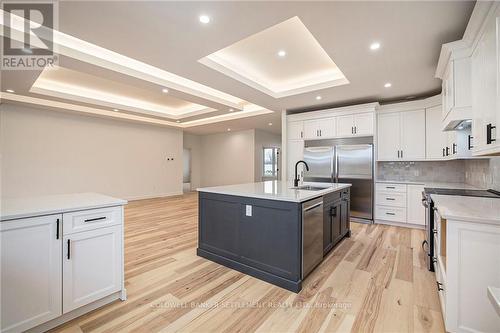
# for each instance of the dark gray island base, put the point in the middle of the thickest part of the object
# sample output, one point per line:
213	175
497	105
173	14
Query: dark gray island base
268	243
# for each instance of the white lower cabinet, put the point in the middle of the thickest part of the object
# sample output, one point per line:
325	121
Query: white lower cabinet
414	208
401	203
31	271
92	266
48	269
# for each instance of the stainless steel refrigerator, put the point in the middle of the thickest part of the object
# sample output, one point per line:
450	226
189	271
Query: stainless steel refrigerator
344	161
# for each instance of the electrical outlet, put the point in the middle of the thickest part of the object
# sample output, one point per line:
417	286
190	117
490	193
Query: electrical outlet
248	210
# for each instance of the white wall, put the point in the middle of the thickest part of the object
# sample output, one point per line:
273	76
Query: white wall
264	139
227	158
193	143
50	152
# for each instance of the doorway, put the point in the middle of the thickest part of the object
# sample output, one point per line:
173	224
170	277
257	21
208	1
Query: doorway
186	175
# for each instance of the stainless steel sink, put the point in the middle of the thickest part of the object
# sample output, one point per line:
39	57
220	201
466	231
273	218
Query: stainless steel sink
310	188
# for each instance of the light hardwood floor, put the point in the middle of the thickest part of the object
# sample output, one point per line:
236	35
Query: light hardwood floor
373	282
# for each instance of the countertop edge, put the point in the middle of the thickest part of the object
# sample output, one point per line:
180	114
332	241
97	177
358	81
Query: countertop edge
314	194
446	214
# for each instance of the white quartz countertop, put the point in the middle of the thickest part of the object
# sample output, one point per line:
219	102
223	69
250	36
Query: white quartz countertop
430	184
468	209
494	295
16	208
275	190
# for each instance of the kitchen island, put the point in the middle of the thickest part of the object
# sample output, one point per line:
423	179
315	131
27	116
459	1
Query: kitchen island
272	230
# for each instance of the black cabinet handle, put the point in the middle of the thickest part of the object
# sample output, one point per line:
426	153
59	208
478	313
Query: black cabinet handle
333	211
439	284
398	153
355	129
401	154
489	138
391	199
57	229
319	132
95	219
69	247
444	153
301	134
447	151
470	141
454	148
352	130
390	187
390	214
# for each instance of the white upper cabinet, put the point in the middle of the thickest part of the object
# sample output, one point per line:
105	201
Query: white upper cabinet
485	72
360	124
323	128
388	136
295	130
363	124
31	272
401	136
413	135
435	139
457	92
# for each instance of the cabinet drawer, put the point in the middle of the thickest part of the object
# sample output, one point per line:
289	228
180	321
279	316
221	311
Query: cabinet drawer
393	199
91	219
394	214
387	187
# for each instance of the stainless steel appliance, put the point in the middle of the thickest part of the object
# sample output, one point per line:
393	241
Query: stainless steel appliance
344	161
312	235
428	243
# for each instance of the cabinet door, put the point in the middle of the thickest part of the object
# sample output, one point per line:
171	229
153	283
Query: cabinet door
327	127
436	139
388	136
345	125
415	209
311	129
295	130
295	150
363	124
31	270
413	135
92	266
344	216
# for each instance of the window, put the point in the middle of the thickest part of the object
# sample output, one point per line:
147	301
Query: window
270	165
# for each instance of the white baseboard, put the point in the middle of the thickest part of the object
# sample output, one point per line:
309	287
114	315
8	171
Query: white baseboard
400	224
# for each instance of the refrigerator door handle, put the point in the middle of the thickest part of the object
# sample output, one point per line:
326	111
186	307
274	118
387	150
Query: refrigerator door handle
336	171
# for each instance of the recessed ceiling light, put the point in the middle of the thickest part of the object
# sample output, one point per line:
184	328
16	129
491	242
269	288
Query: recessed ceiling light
231	110
229	130
177	121
10	91
388	85
282	53
375	46
204	19
116	110
270	124
165	90
318	97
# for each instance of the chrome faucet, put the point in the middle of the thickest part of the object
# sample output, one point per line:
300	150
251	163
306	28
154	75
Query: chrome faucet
296	179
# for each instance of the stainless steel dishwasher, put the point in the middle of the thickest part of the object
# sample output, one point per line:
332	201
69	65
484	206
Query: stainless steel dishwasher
312	235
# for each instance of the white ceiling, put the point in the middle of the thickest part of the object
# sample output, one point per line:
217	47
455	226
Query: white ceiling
169	36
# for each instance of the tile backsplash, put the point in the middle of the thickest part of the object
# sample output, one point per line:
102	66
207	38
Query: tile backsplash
432	171
483	173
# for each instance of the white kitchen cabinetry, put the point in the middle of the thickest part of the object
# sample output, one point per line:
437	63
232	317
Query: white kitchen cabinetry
401	136
92	266
295	150
355	124
435	138
320	128
485	76
388	136
400	203
295	130
465	267
414	208
58	254
31	271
